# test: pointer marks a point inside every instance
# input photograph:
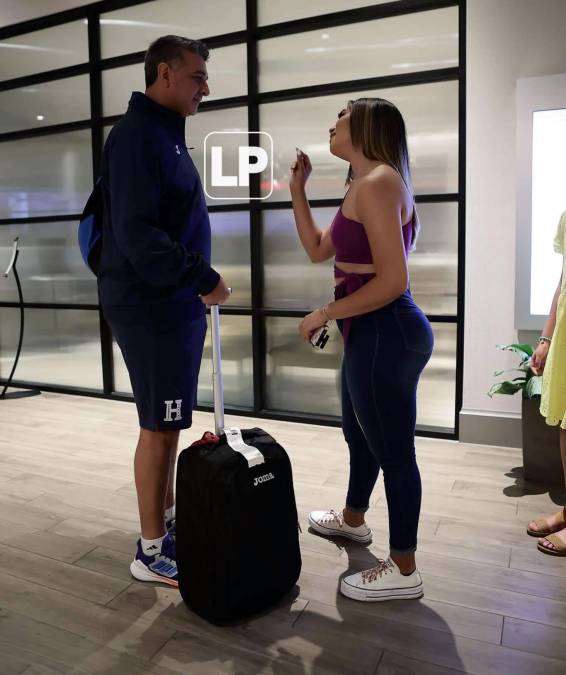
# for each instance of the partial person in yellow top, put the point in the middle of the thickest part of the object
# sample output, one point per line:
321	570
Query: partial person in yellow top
549	360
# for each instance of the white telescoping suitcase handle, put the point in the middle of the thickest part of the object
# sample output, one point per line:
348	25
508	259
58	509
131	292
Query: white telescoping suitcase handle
217	383
233	435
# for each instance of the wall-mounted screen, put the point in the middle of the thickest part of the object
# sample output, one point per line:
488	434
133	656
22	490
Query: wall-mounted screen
548	202
541	195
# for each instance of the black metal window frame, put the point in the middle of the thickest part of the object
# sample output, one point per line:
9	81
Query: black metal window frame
252	101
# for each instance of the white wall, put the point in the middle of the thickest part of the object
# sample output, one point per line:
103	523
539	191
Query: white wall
506	40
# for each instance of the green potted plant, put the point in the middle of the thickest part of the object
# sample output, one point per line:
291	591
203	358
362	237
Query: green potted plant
541	442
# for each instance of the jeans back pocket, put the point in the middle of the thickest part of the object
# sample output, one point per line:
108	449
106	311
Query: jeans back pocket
415	329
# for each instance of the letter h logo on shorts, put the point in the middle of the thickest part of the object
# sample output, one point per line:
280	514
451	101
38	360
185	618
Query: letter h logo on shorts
170	410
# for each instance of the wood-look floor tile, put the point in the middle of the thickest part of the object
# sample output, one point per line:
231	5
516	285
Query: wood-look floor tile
494	600
536	638
395	664
529	558
104	626
49	649
51	545
59	576
115	564
431	646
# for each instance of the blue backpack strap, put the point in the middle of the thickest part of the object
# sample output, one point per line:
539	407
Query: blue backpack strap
90	229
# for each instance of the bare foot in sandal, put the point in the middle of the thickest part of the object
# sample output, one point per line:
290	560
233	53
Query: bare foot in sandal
540	527
555	544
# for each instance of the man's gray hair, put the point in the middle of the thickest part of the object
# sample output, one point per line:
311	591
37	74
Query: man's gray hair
170	49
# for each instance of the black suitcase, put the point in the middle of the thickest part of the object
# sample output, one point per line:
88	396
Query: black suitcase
236	517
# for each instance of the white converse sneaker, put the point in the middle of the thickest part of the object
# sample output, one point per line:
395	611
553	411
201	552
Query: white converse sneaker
332	524
383	582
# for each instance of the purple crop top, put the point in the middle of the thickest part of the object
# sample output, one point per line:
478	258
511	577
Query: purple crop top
351	243
352	246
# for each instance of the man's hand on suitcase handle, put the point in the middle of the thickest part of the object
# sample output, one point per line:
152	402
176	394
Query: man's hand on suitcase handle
218	296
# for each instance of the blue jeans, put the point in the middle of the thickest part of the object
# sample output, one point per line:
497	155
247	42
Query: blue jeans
385	354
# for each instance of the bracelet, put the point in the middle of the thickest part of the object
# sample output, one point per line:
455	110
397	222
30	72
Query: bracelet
324	310
544	338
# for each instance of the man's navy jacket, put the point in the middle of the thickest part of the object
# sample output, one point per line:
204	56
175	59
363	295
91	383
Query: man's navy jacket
156	231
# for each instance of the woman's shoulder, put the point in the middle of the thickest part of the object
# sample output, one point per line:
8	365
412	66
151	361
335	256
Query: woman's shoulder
383	176
384	185
385	180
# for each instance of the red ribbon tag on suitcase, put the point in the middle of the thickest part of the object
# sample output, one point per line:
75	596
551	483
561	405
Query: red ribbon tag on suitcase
207	439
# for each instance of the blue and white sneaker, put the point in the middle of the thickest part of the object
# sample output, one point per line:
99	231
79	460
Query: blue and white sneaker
171	527
161	566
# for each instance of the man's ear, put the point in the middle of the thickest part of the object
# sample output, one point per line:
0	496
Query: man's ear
164	73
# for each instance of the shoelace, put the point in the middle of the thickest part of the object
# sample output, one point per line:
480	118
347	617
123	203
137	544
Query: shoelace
334	516
382	567
168	553
166	559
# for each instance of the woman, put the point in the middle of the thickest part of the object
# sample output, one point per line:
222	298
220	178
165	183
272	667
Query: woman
387	338
550	358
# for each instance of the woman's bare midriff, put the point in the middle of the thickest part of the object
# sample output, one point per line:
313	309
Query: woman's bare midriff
353	268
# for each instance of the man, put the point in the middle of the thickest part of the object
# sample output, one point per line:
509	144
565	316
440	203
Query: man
155	278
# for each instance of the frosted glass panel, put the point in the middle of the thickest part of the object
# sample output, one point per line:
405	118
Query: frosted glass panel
39	105
132	29
117	87
302	380
275	12
231	253
61	346
50	265
292	281
392	46
431	117
231	119
47	49
226	72
49	175
433	265
437	387
237	363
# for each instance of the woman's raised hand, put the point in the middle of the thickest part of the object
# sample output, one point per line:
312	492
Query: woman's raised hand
301	169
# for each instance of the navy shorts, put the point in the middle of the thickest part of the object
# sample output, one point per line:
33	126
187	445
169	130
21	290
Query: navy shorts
163	361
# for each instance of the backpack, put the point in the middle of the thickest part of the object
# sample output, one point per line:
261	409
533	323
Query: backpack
90	229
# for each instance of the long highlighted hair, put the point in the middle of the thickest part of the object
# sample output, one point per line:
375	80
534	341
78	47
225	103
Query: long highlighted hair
378	128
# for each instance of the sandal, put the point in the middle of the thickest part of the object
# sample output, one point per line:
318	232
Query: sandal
559	549
544	530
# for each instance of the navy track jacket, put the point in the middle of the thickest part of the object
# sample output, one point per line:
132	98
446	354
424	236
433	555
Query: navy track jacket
156	231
